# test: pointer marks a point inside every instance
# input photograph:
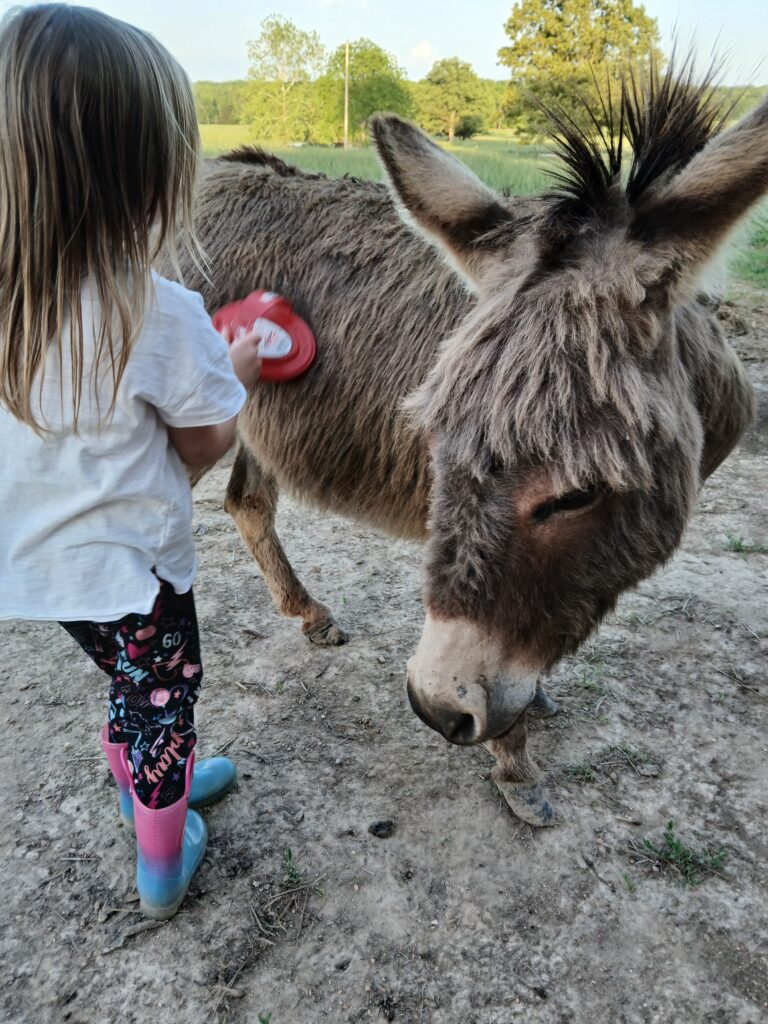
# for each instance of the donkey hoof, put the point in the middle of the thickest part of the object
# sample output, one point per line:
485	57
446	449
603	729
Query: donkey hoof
528	802
542	705
325	633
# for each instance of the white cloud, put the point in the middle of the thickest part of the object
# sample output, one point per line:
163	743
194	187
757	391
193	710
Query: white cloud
422	54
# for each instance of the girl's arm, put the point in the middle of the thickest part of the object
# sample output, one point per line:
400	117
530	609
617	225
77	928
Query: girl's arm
202	446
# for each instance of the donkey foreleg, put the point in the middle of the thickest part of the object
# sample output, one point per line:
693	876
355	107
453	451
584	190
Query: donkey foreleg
542	705
252	502
518	778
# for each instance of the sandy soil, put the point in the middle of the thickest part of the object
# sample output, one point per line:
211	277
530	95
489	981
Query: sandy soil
462	915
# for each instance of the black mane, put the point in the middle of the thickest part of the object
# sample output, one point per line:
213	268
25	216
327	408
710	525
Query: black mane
665	119
260	157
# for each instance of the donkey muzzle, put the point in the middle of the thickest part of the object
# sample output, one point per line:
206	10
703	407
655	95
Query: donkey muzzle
455	724
461	685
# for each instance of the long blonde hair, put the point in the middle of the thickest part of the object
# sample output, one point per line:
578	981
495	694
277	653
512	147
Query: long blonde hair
99	154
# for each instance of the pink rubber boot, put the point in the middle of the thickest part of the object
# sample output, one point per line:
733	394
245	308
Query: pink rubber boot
170	844
214	777
116	755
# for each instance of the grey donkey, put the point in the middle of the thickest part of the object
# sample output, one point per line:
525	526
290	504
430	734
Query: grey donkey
533	387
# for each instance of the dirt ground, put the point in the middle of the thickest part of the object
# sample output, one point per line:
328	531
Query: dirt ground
462	915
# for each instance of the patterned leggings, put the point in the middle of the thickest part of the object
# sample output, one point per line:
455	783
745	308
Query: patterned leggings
154	662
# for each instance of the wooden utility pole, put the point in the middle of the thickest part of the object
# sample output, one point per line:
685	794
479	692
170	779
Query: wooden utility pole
346	99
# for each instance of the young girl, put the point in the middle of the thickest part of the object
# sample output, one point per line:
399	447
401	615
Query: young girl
111	378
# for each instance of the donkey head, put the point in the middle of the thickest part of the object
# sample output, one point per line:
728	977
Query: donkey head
575	412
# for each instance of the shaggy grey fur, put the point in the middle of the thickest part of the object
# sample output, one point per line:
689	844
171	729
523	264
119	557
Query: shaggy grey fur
559	423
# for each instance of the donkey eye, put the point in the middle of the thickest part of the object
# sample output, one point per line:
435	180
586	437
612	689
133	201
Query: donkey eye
570	502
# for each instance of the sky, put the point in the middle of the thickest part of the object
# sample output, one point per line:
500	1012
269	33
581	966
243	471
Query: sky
209	36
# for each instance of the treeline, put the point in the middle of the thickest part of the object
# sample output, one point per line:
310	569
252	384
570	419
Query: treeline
315	118
295	91
560	53
451	100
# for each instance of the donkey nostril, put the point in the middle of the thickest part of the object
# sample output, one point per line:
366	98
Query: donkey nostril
461	729
456	726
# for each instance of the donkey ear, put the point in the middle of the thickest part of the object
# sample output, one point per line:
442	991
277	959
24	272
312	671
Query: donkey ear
691	216
439	193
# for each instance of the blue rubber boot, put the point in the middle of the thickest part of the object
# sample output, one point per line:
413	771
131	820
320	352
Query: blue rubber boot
213	778
170	844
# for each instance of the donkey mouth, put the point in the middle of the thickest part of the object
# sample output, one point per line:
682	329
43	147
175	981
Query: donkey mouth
457	726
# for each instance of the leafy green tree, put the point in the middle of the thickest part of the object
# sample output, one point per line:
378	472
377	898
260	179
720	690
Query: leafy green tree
219	102
273	120
450	92
206	102
469	126
284	59
558	48
495	103
376	83
738	100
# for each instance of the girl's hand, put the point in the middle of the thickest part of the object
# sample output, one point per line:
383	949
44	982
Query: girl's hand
243	351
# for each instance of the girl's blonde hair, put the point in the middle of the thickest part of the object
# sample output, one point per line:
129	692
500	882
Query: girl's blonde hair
99	153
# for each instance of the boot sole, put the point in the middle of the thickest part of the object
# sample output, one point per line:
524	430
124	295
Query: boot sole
161	913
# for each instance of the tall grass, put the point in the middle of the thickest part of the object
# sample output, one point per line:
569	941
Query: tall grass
750	257
220	138
500	162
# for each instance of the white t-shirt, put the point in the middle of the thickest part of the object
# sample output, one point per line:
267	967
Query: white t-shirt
85	516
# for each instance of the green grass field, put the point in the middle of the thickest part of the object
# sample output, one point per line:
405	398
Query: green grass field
501	163
218	138
750	258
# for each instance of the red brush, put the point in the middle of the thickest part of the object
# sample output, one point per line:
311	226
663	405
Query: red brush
287	347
